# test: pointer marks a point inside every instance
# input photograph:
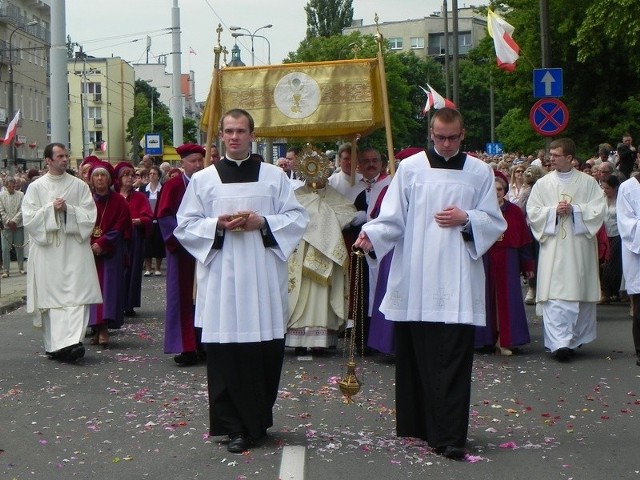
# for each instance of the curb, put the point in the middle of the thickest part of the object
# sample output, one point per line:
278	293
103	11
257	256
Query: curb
12	302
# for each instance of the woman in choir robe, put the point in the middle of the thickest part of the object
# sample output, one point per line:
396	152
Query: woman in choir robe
504	262
108	243
141	220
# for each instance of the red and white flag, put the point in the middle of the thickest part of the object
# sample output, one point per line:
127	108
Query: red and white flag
507	50
435	100
11	129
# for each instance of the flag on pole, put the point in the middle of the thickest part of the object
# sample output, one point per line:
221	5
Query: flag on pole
435	100
192	51
302	100
11	129
507	50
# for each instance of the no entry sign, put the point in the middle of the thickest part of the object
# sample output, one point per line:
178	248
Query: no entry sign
549	116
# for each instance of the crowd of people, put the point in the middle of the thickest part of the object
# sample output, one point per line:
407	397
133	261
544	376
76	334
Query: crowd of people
258	259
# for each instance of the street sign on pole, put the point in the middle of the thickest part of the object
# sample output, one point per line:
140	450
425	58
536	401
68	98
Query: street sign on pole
493	148
152	144
549	116
547	82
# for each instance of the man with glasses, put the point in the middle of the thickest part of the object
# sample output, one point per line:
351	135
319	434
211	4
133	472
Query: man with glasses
565	210
441	215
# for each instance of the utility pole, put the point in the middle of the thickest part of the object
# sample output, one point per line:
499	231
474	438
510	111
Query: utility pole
456	73
59	107
177	100
84	104
445	14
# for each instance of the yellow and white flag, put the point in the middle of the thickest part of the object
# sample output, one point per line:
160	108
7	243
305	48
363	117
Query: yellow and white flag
300	100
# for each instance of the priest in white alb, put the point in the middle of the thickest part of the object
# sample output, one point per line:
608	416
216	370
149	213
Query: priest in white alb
59	215
566	209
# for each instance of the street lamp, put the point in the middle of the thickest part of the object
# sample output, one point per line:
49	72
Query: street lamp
252	35
236	35
11	153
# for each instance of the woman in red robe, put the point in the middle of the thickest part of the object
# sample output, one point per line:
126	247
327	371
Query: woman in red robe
141	219
505	261
108	243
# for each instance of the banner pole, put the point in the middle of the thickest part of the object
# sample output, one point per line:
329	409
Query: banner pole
212	98
385	100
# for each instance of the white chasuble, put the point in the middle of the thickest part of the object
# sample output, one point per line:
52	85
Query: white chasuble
568	266
318	285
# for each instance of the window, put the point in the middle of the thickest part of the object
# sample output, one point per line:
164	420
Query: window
95	112
464	42
417	43
396	43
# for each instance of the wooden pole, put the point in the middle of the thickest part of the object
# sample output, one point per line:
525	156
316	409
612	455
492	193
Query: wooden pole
385	101
213	93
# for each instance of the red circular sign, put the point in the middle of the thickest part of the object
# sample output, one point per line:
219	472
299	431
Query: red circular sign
549	116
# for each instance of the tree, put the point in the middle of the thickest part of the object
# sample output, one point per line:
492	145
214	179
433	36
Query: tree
326	18
140	123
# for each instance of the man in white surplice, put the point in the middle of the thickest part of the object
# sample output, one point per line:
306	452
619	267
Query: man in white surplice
628	218
240	220
565	210
441	214
59	214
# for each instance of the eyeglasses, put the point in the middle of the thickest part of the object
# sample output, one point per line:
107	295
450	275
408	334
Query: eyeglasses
450	138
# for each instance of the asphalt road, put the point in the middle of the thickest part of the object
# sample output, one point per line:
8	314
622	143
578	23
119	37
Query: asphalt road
130	413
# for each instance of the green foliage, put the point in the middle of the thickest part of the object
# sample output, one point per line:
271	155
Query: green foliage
516	134
594	42
140	123
326	18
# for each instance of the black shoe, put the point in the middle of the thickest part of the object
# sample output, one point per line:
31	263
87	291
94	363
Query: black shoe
130	313
238	443
451	452
75	353
564	354
300	351
186	359
68	354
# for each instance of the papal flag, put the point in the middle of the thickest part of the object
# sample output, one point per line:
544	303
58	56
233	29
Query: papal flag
303	100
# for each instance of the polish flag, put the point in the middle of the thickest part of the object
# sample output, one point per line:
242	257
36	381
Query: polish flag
435	100
11	129
507	51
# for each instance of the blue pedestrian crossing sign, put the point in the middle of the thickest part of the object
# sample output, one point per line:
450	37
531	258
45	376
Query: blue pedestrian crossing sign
547	82
493	148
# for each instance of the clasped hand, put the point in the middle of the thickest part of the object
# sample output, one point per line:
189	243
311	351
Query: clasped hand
243	220
450	217
564	208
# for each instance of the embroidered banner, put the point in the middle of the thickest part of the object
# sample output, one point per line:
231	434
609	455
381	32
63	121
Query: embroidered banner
322	99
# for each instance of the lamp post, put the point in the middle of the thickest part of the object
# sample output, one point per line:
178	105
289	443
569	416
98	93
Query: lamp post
11	153
236	35
252	35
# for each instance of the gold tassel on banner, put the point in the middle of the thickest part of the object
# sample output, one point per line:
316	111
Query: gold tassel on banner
350	385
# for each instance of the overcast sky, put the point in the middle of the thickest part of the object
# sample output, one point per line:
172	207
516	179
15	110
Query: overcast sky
120	27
